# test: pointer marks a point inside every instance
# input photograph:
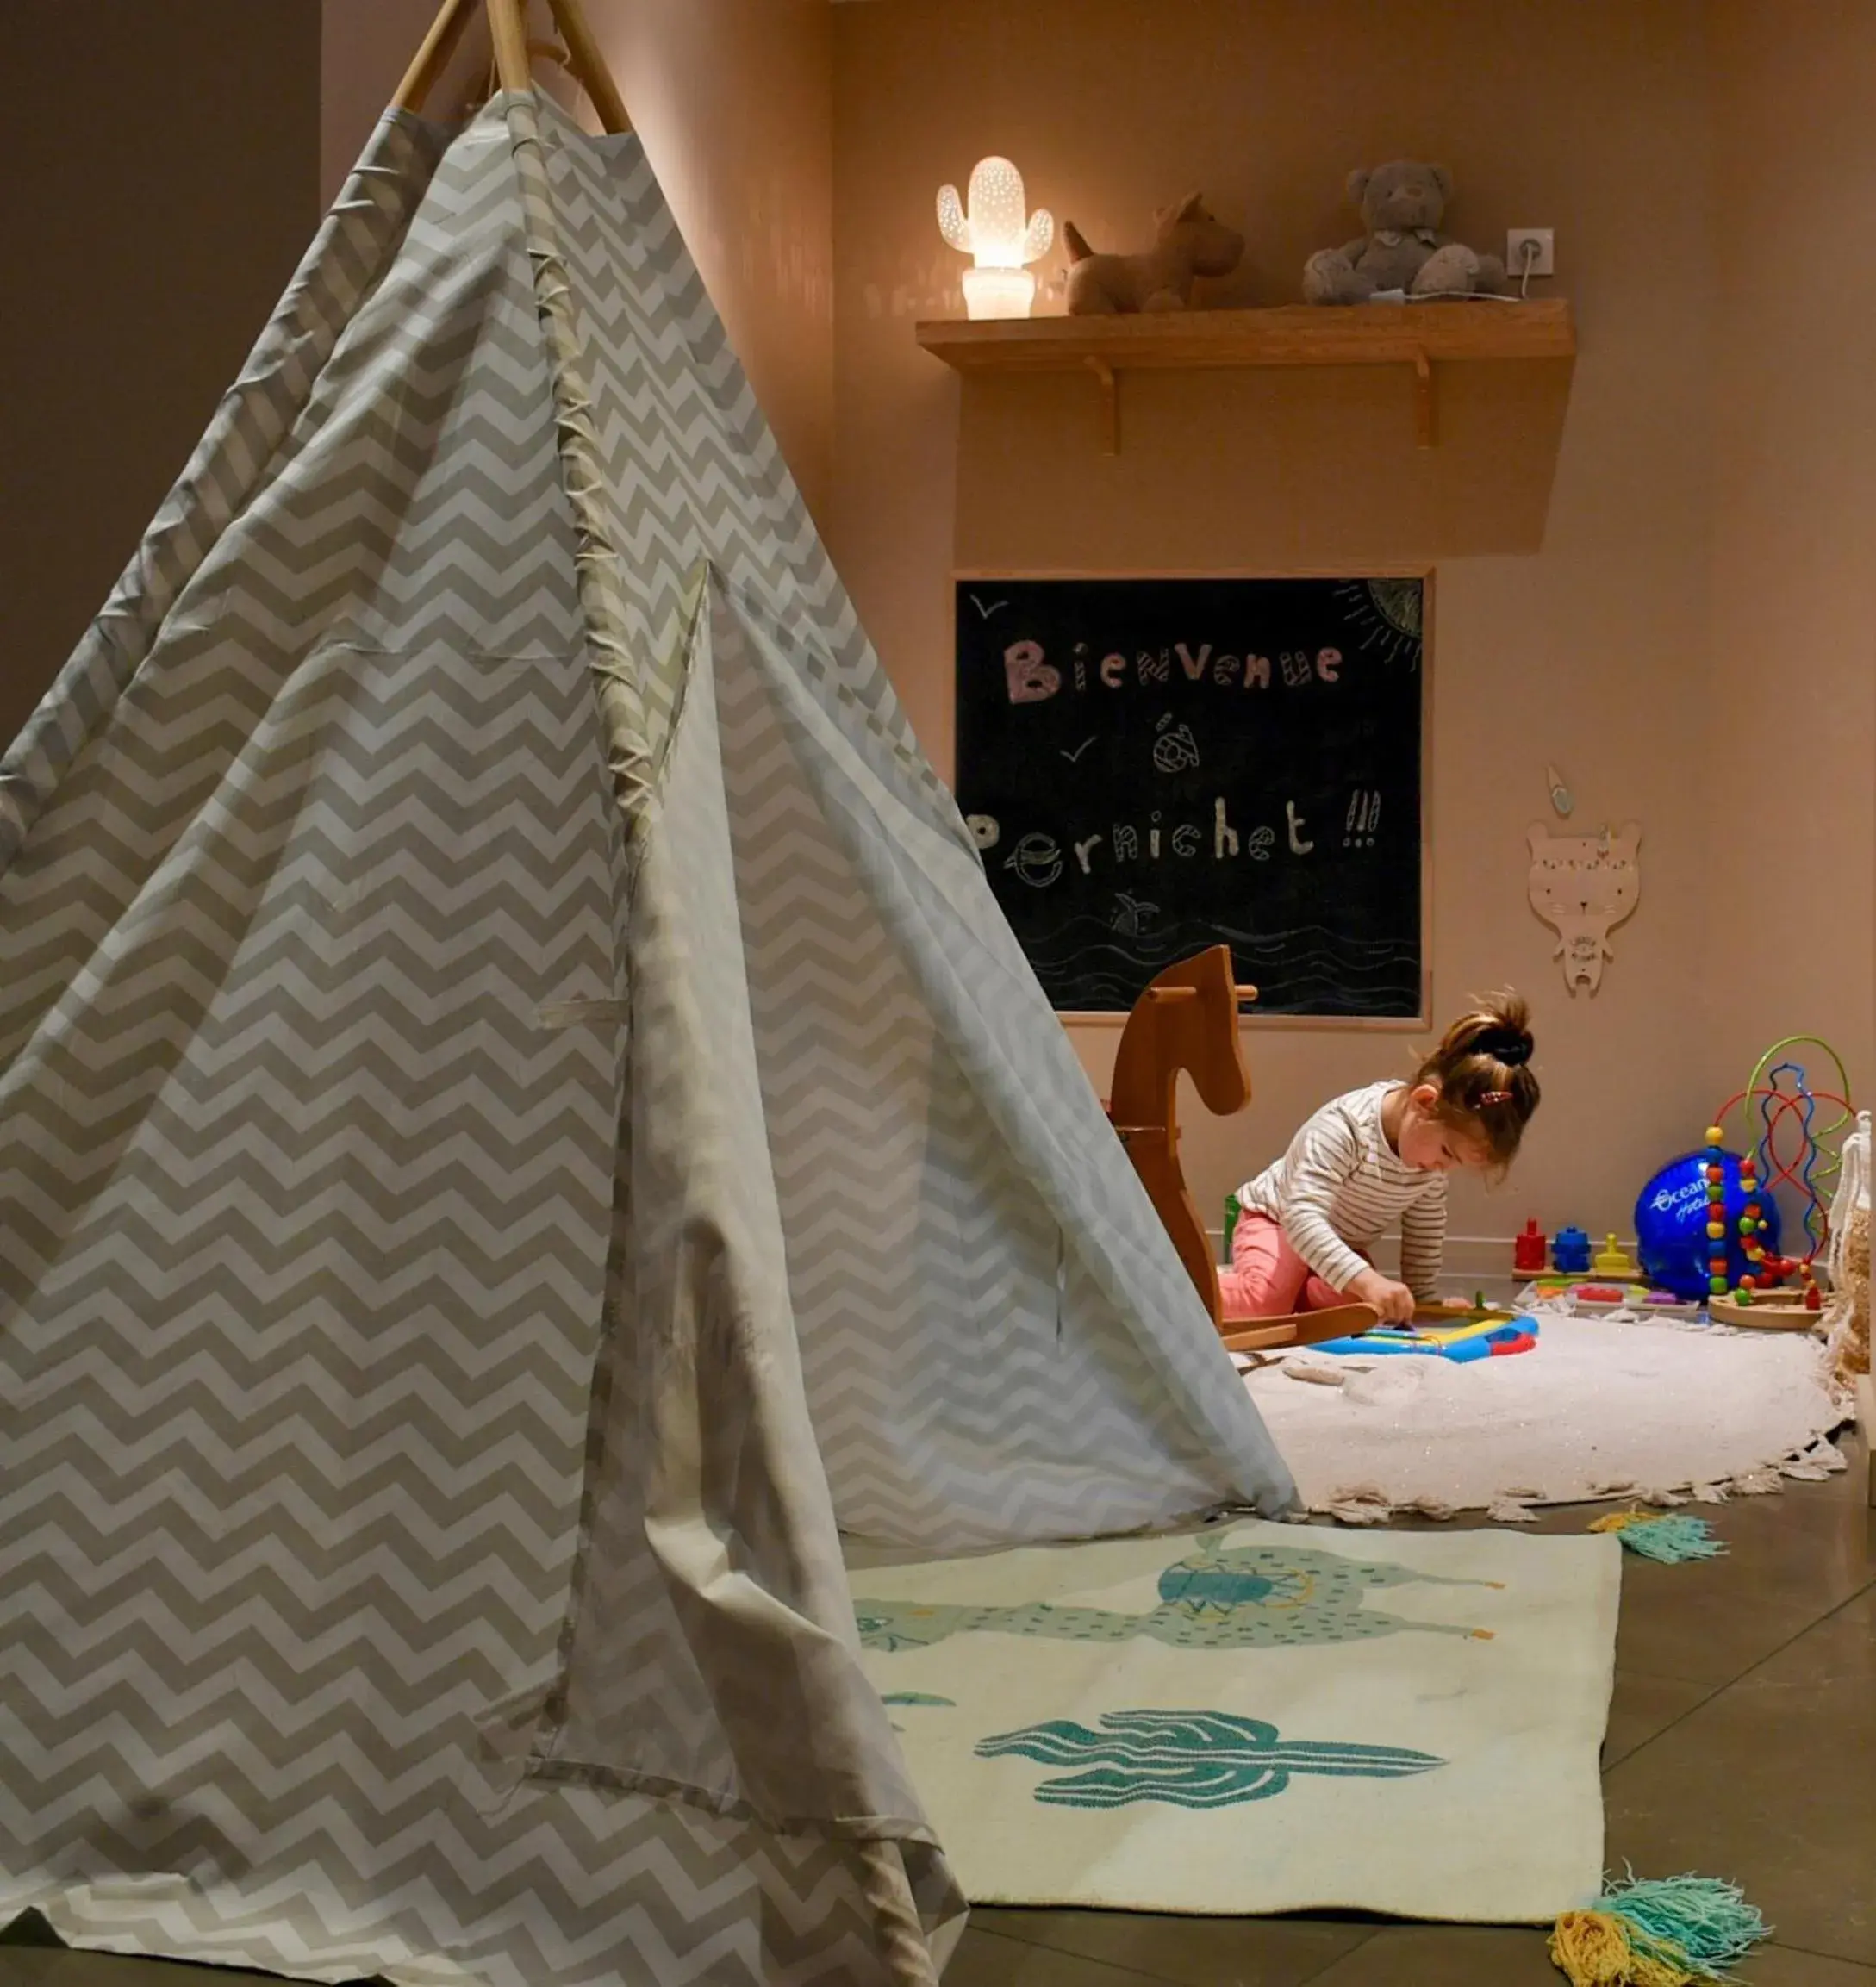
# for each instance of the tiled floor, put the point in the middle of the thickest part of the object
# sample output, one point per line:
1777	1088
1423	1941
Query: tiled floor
1741	1743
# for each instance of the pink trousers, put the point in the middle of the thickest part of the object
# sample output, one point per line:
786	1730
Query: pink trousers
1268	1278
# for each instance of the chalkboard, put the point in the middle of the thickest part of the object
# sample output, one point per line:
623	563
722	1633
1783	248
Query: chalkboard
1152	766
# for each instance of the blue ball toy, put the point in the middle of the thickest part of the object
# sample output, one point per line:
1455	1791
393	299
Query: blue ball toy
1671	1219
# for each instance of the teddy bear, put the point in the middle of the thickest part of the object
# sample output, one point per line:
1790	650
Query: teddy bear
1191	242
1400	205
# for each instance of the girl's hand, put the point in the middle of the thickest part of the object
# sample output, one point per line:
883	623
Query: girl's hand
1394	1301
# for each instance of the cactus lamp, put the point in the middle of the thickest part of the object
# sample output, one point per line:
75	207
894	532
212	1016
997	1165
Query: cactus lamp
992	228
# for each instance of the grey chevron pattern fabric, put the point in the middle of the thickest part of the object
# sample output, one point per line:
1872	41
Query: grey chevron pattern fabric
519	1121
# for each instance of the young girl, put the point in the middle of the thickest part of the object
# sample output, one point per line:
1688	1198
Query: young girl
1307	1224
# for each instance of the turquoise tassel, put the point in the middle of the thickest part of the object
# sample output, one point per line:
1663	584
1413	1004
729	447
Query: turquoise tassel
1699	1923
1673	1538
1676	1931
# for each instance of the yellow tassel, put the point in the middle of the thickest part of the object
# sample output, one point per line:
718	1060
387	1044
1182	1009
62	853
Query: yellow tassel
1591	1949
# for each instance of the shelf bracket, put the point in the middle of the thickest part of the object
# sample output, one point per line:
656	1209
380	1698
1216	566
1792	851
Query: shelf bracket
1425	409
1110	406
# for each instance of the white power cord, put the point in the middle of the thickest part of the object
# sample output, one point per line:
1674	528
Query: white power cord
1529	251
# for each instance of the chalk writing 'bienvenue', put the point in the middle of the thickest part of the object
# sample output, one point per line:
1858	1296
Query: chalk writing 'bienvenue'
1032	678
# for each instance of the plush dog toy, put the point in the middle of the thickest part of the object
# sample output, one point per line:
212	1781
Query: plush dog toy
1401	206
1192	242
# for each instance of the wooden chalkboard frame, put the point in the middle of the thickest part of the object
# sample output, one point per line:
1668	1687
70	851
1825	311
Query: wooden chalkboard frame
1365	570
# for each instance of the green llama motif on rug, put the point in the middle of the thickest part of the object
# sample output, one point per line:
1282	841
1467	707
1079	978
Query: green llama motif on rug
1187	1759
1219	1597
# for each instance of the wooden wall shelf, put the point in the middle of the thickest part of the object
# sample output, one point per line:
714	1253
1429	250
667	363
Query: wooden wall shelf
1416	335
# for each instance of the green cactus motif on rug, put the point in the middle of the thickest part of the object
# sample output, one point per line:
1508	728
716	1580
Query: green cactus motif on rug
1218	1597
1187	1759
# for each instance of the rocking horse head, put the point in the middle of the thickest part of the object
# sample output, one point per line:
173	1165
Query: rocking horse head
1186	1020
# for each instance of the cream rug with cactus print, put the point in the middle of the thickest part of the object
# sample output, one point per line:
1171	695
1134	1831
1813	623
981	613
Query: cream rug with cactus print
1259	1718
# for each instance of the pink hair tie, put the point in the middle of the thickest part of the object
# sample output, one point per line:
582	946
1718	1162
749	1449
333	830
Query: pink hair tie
1494	1097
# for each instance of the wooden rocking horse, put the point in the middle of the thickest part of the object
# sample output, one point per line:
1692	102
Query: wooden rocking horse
1186	1020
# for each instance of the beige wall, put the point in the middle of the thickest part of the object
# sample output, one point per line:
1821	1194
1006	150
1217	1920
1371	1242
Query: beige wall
1792	730
1575	568
365	46
734	100
160	189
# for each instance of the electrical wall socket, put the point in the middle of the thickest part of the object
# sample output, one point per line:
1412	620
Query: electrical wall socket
1546	261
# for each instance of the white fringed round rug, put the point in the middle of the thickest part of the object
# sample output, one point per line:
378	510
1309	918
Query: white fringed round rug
1599	1408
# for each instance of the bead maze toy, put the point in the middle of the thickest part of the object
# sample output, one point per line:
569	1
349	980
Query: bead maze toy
1788	1153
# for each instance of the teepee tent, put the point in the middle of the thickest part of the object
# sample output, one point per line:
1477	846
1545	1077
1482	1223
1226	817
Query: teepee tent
521	1120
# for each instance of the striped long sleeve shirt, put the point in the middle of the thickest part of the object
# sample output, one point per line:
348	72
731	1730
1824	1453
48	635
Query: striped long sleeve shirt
1340	1184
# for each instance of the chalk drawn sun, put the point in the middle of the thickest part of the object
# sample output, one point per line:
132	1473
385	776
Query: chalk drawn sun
1386	615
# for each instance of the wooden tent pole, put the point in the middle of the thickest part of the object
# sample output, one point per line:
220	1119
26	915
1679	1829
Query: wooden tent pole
509	31
432	58
590	65
507	26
